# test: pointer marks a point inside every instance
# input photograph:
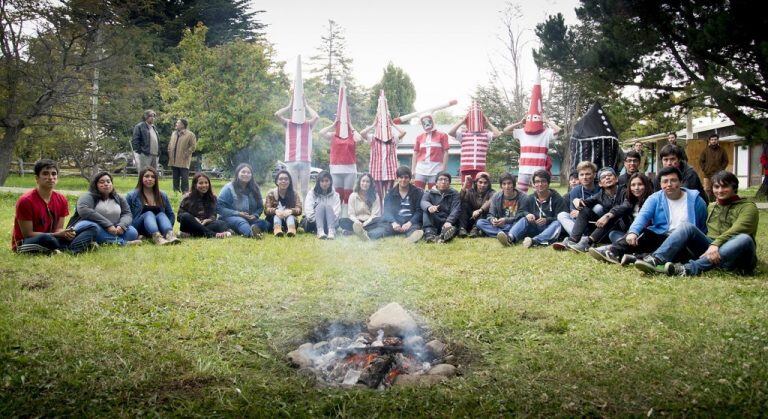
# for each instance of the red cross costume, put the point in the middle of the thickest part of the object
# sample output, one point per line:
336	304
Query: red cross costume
534	140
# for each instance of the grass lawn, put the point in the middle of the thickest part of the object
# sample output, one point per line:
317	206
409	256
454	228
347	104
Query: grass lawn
202	329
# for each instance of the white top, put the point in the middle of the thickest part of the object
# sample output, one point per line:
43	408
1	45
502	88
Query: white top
678	211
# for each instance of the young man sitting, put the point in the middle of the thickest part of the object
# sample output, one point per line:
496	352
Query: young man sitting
539	225
631	166
729	243
609	197
586	171
506	208
672	156
402	211
38	226
440	206
662	213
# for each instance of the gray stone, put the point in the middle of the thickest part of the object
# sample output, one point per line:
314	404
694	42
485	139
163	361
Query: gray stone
408	380
436	348
340	342
306	346
414	342
321	347
444	370
393	320
299	359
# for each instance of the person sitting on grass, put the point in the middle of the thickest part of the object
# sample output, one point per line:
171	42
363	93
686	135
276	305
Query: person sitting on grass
283	205
38	223
402	210
586	171
197	211
663	212
728	243
672	156
152	212
539	225
105	209
240	204
631	166
475	200
640	188
573	181
507	207
322	208
440	207
364	209
610	196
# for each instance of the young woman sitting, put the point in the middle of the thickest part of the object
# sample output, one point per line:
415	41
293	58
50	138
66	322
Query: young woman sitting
151	210
197	211
240	203
103	208
283	205
364	208
322	208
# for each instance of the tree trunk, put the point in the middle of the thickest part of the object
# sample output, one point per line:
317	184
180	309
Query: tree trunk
7	145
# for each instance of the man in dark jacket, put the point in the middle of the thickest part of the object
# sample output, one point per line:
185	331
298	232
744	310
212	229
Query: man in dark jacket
145	141
610	196
671	156
506	208
402	210
712	160
440	206
631	166
539	225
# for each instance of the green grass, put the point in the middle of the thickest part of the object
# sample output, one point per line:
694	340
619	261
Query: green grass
123	184
202	328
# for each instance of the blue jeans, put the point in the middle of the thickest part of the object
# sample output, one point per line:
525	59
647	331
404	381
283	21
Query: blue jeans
489	229
243	226
737	254
523	228
150	223
102	236
79	244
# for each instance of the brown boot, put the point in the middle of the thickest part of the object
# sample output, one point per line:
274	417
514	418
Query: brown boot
171	238
278	230
291	230
158	239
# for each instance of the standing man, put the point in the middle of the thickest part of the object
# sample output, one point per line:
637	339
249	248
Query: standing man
638	147
712	160
672	156
146	146
430	154
298	134
180	149
672	139
474	139
38	225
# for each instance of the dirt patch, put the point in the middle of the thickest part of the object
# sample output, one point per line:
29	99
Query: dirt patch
224	334
36	284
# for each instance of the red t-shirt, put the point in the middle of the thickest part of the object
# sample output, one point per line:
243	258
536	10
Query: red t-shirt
32	207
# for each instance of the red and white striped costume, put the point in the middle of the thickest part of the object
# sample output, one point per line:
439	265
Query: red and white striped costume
474	149
533	154
343	164
383	144
430	148
298	142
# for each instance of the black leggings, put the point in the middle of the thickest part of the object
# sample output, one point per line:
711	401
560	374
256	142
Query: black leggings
188	224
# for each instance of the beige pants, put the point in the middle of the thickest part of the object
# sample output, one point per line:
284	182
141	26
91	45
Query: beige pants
707	181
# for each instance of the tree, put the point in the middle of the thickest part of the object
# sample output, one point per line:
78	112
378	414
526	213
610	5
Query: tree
49	54
399	90
678	53
229	93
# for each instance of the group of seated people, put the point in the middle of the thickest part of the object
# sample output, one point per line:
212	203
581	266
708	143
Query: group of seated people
621	219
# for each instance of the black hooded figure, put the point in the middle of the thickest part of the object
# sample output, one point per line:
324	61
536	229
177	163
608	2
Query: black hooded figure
594	139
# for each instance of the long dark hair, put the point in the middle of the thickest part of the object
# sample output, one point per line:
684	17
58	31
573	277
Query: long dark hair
370	194
195	195
648	189
93	187
290	195
155	189
318	190
251	188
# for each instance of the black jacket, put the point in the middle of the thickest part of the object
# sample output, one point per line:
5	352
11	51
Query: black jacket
605	200
448	204
548	209
140	139
392	205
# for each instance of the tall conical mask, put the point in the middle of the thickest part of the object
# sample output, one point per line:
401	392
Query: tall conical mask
383	120
298	111
475	121
534	122
343	129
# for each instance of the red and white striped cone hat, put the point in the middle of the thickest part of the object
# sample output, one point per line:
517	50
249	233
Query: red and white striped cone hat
298	111
534	121
475	120
343	125
383	119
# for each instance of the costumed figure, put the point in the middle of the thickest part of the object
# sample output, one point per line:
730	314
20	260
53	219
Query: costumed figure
595	140
383	165
474	139
534	138
298	133
430	153
344	139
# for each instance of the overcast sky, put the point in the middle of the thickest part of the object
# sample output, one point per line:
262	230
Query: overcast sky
445	47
